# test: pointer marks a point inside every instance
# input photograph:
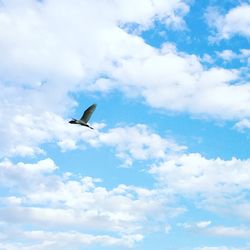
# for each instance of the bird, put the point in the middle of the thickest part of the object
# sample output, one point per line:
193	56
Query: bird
85	117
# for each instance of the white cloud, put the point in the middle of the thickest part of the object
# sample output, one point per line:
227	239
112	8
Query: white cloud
243	210
203	224
235	22
28	175
177	81
221	231
88	212
48	49
243	124
139	143
206	58
41	68
200	225
213	184
239	232
26	133
65	44
245	52
59	59
53	48
227	55
66	240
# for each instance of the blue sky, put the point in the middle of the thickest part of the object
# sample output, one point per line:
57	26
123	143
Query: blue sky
167	165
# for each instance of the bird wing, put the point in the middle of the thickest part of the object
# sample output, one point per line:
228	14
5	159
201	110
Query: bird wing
88	112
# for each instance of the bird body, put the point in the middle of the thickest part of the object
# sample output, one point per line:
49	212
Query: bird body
85	117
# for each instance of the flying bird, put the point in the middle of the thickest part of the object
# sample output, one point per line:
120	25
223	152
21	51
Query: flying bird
85	117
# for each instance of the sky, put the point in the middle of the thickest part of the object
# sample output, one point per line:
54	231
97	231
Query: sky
167	165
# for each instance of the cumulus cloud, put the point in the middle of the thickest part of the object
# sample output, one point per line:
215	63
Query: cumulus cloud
235	22
203	224
89	212
228	55
26	133
48	48
59	59
139	143
53	48
40	69
176	81
56	42
214	184
64	240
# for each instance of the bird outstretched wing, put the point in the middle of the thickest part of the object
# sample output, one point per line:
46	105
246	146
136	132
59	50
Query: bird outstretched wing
88	112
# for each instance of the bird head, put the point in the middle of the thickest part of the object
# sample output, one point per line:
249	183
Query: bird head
73	120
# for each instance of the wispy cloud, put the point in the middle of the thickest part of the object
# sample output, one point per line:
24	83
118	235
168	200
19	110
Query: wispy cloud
235	22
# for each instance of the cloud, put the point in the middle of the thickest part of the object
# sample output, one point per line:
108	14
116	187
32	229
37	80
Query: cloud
214	184
239	232
228	55
88	212
65	240
221	231
138	143
26	133
242	210
59	59
198	225
206	58
63	48
242	125
235	22
52	49
176	81
203	224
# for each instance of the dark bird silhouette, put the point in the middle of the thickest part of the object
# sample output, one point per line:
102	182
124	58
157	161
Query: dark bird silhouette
85	117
